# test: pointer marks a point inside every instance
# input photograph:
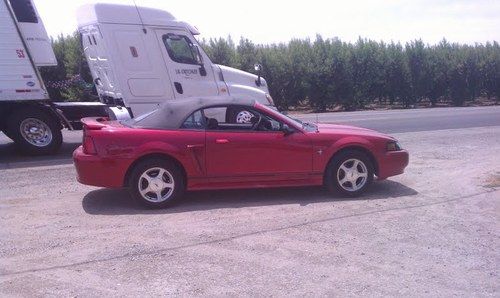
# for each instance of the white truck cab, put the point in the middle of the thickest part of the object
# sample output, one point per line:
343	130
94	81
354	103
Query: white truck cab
140	57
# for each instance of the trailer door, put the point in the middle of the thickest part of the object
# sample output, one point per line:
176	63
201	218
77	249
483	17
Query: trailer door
33	31
18	77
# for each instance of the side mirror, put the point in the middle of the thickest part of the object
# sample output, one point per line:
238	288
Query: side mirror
287	130
199	59
258	69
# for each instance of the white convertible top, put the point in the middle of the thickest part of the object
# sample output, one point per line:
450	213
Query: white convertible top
173	113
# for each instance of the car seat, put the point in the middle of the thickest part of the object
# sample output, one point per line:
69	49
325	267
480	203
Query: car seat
212	124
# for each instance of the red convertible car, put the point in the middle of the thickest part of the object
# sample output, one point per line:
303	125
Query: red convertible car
200	143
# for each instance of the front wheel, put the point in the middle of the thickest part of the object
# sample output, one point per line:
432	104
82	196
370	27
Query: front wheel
157	183
35	132
349	173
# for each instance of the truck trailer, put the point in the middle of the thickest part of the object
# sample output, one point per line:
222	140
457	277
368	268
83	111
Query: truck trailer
139	57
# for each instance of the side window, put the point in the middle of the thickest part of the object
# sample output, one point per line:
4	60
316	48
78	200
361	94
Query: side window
179	48
219	118
24	11
195	121
271	124
217	113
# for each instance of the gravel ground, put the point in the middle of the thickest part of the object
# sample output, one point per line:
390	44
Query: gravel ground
432	231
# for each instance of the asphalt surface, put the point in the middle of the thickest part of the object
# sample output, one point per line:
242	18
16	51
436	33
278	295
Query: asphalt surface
413	120
433	231
389	121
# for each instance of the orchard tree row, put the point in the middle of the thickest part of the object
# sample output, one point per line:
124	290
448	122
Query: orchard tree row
328	73
325	73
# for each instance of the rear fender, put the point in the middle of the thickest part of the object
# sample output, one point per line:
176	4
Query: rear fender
157	149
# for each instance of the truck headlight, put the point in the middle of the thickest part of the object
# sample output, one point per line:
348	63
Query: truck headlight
270	99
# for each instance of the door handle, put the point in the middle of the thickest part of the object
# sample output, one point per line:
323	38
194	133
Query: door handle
221	141
178	87
195	146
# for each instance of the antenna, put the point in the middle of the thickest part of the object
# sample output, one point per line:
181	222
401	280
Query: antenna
140	17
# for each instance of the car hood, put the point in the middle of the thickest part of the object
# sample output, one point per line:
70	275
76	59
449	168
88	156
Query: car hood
326	128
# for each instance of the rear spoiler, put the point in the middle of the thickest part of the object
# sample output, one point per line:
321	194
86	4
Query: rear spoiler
94	123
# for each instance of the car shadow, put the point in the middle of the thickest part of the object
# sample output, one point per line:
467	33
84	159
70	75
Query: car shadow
119	201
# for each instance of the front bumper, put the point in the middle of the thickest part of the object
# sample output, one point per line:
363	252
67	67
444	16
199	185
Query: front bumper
97	171
393	163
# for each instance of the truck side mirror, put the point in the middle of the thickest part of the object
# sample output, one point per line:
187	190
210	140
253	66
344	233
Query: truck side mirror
258	69
199	59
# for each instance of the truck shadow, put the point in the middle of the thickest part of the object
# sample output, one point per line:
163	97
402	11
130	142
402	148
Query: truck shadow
119	201
11	158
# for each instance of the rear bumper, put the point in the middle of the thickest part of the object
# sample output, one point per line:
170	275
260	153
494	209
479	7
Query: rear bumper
96	171
393	163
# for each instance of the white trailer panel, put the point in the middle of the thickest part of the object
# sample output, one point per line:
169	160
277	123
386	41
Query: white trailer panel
18	78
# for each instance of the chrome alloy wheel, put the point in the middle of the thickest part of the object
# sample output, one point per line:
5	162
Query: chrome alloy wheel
352	174
36	132
244	117
156	185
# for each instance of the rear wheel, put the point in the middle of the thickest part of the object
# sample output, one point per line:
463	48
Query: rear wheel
349	173
34	132
157	183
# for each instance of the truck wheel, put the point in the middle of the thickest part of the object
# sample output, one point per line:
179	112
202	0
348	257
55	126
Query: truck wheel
35	132
239	116
157	183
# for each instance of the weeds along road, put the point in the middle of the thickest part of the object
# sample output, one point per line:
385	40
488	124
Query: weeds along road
432	231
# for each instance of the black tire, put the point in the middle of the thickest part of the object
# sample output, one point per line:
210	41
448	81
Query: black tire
25	146
332	174
149	165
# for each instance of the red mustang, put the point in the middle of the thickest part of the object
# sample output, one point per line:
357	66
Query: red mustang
199	143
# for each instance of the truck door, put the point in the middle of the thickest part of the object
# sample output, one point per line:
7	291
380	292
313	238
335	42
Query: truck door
187	76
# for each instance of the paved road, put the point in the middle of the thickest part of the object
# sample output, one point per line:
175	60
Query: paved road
397	121
390	121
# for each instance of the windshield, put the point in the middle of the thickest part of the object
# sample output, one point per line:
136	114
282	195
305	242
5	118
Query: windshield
310	127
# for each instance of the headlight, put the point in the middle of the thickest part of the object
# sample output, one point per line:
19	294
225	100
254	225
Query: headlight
393	146
270	99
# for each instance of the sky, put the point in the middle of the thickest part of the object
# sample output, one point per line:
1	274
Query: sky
270	21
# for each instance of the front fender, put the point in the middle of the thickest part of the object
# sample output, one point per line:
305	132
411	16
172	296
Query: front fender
322	159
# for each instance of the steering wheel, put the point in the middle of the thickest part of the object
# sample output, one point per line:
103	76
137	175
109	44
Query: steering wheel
257	123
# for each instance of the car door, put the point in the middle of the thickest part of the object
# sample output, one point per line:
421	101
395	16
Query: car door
188	77
237	155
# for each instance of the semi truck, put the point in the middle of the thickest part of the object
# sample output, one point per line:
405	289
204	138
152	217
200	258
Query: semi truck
139	57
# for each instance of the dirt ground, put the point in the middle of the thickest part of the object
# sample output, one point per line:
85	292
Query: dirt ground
432	231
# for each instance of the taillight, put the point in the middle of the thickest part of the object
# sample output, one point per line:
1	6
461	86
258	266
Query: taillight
89	146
